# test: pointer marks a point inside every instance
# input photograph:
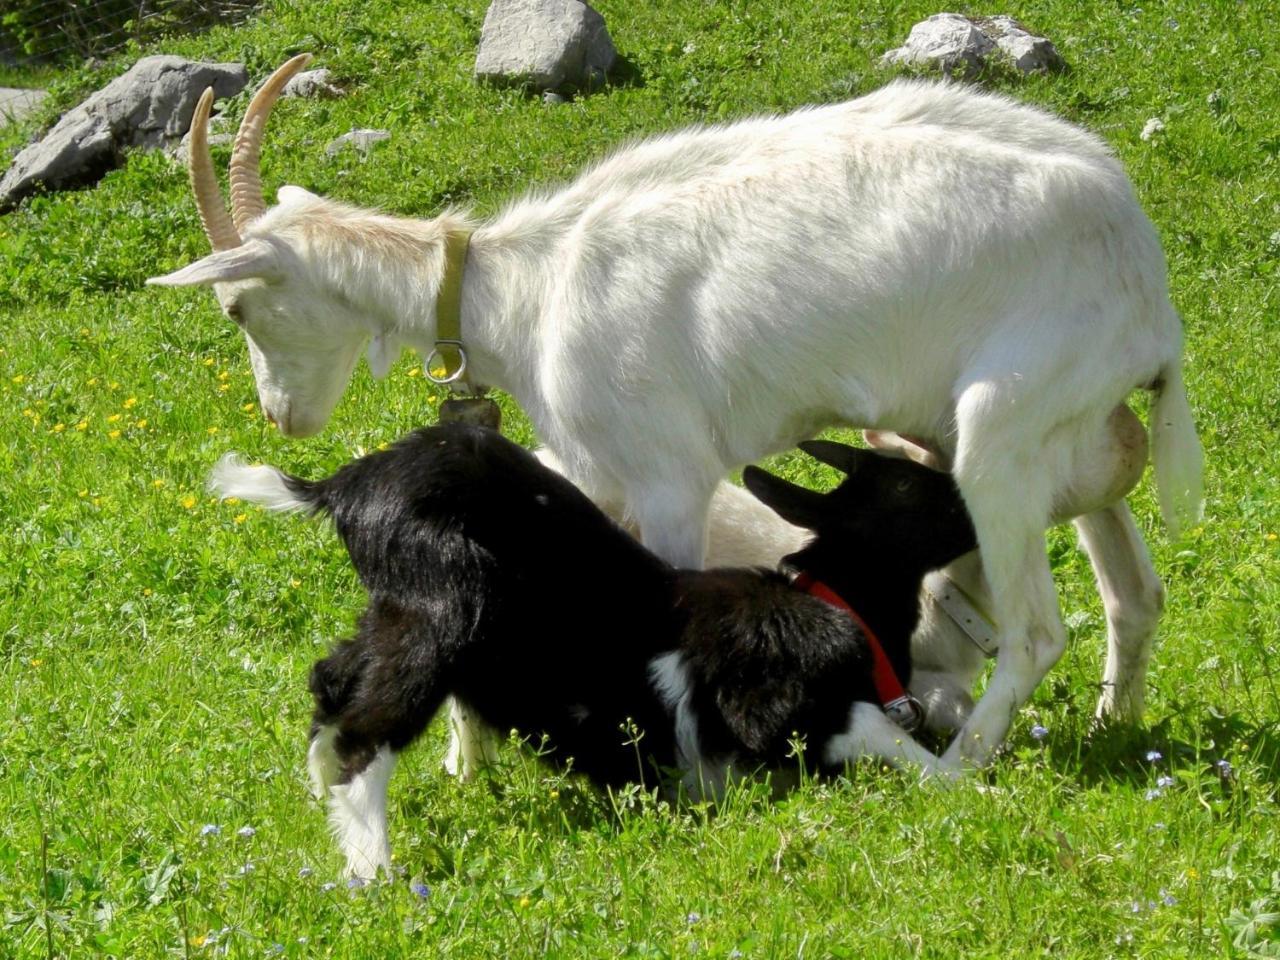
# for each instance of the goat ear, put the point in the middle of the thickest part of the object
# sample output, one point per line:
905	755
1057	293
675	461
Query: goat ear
795	504
289	194
382	354
254	258
899	446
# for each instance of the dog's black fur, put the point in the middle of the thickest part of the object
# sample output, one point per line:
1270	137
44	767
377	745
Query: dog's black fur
495	580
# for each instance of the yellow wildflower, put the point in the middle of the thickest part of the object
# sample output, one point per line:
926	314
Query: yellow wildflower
84	493
20	378
158	482
93	382
84	332
247	408
114	384
1193	873
130	402
208	361
114	418
1271	536
146	591
231	501
295	583
114	434
59	427
211	431
37	661
188	501
524	902
414	372
240	517
82	425
28	412
141	424
223	375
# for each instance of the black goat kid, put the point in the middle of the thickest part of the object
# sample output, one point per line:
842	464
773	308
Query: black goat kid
495	580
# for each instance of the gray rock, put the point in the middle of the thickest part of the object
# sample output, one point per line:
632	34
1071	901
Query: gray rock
1029	52
546	44
946	39
361	141
313	83
550	96
960	44
149	106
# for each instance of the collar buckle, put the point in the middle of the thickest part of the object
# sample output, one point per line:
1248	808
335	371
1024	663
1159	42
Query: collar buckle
905	711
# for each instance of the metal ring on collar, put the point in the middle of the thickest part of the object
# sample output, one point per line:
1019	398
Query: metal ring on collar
435	352
906	711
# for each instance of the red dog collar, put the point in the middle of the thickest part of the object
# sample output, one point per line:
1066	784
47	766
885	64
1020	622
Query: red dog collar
900	707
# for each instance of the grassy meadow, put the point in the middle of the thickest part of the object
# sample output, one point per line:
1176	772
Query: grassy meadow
154	644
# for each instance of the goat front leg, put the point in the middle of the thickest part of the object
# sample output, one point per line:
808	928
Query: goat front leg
673	520
1133	597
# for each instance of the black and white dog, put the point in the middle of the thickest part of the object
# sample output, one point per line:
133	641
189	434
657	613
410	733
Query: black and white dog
496	581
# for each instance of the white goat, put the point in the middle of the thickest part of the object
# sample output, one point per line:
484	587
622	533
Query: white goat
928	259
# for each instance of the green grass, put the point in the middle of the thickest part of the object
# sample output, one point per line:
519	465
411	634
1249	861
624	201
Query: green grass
154	645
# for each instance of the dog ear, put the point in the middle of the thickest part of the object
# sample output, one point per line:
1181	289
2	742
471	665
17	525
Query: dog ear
843	457
795	504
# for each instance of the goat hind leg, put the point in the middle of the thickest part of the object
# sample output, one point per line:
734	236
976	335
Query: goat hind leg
1133	597
1005	466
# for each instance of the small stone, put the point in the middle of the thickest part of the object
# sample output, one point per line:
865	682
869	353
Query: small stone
960	44
313	83
360	140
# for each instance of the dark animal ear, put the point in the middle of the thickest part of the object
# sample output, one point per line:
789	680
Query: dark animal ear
838	455
795	504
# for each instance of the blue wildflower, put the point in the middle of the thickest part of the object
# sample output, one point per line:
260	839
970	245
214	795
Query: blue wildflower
355	883
1039	732
1164	781
326	887
691	918
305	872
1154	756
421	889
1154	793
210	830
246	832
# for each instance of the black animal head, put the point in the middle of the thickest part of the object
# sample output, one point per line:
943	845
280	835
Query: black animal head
887	507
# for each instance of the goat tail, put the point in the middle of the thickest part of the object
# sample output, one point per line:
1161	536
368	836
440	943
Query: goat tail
1176	453
263	485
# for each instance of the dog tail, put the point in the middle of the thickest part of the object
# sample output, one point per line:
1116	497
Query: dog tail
263	485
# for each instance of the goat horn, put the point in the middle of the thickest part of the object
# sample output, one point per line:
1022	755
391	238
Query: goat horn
247	202
217	225
838	455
